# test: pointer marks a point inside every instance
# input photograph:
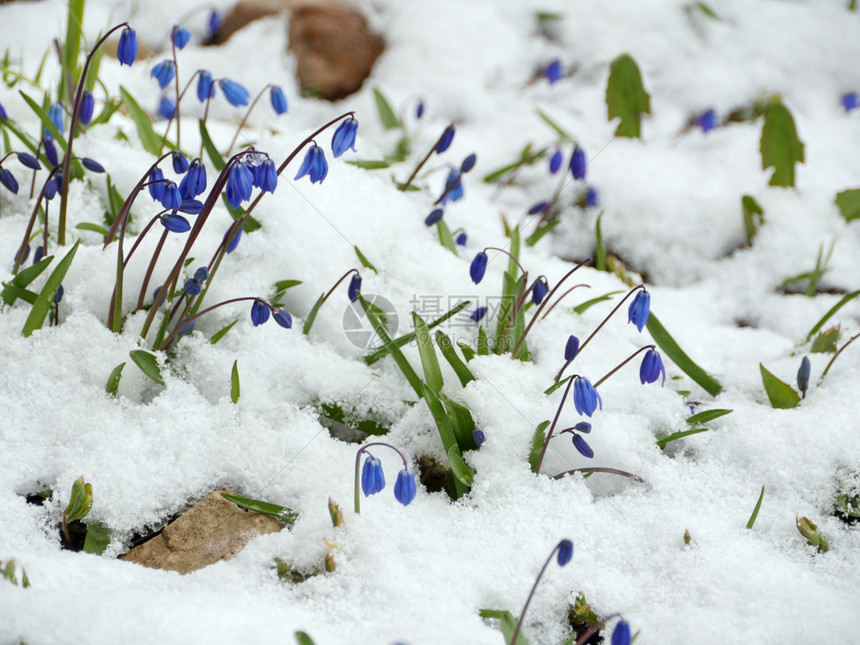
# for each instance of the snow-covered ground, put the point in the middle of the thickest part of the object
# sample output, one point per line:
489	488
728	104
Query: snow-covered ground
420	574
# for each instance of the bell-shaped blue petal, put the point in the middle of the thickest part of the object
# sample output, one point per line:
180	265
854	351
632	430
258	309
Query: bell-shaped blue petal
478	314
434	216
344	137
461	239
180	163
57	115
164	73
571	348
584	449
175	223
314	165
585	397
170	197
266	176
92	164
194	181
29	160
404	487
555	161
539	291
259	313
126	51
52	186
478	267
3	115
354	287
283	318
372	477
235	236
166	107
180	36
235	94
279	101
8	180
192	287
214	22
640	309
651	368
577	163
621	633
190	206
51	152
468	163
565	552
205	86
445	140
240	184
553	72
85	111
156	184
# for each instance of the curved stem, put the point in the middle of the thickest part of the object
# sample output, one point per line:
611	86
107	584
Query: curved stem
531	595
496	248
827	369
245	118
357	500
612	471
420	165
624	362
173	334
562	297
552	427
19	256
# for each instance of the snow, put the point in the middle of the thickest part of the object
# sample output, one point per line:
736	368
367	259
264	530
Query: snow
420	574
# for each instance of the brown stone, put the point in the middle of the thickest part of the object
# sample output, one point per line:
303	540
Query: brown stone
213	529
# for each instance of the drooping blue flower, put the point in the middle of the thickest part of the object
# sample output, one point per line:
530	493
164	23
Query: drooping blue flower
582	446
445	140
166	107
434	216
180	163
453	187
478	314
707	120
803	374
57	115
621	633
180	36
234	239
279	101
265	176
192	287
372	477
585	397
185	326
540	290
583	426
478	267
283	318
235	94
205	86
126	51
640	309
651	368
404	487
194	181
201	274
850	101
58	294
37	255
555	161
354	287
29	160
240	184
8	180
468	163
553	72
92	164
26	254
344	137
214	22
461	239
51	151
164	73
52	186
565	552
538	208
591	197
156	184
170	197
259	313
190	206
175	223
571	348
577	163
479	437
314	165
85	111
419	110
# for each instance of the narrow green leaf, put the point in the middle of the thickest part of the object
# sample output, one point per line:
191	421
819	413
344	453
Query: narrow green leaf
844	301
12	289
508	624
781	394
848	202
707	415
369	164
581	308
780	146
468	352
756	509
112	385
387	117
461	471
447	348
600	246
560	131
234	382
45	300
364	261
445	237
679	435
400	341
705	9
753	217
95	228
527	158
446	433
812	534
282	513
151	142
93	71
827	341
148	364
429	360
80	501
483	342
313	315
303	639
214	156
283	285
218	335
71	48
626	97
535	237
538	439
42	113
552	388
98	538
392	348
462	423
671	349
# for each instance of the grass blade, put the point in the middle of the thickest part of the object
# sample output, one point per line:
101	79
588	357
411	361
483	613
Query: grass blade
364	261
679	435
755	510
214	156
282	513
112	385
234	382
666	343
400	341
387	117
844	301
781	394
313	315
13	288
45	299
707	415
429	360
148	364
151	142
392	348
447	348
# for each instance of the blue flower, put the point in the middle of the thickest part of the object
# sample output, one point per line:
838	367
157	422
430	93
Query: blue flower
51	151
190	206
3	114
565	552
205	86
234	239
461	239
265	176
434	216
468	163
372	477
591	197
445	140
38	255
126	51
180	163
8	180
194	181
453	188
585	397
180	36
170	197
582	446
803	374
344	137
553	72
577	163
478	314
478	267
404	487
538	208
850	101
555	161
214	22
163	73
52	186
175	223
192	287
259	313
57	115
166	107
29	160
85	112
235	94
621	633
314	165
279	101
92	164
640	309
651	368
185	326
354	287
583	426
419	110
201	274
58	295
571	348
240	184
283	318
707	121
156	184
479	437
540	290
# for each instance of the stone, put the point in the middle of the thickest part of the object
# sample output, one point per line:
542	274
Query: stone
213	529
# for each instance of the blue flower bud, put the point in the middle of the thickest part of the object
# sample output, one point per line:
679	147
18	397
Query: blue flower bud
478	267
234	239
240	184
583	426
38	255
591	197
478	314
57	115
538	208
185	326
404	487
553	72
259	313
314	165
479	437
192	287
156	184
419	110
85	112
539	291
201	275
170	197
8	180
640	309
214	22
92	164
52	186
434	216
344	137
279	101
164	73
194	181
265	176
651	368
582	446
205	86
707	121
58	295
555	161
565	552
235	94
26	253
166	107
850	101
468	163
175	223
621	633
190	206
354	287
461	239
803	375
283	318
585	397
577	163
372	477
445	140
572	348
126	51
51	152
180	36
29	160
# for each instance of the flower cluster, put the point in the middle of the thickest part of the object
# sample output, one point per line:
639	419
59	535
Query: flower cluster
373	478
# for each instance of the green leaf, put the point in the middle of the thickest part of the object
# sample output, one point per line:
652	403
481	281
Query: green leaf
447	348
552	388
151	142
147	363
468	352
283	285
462	423
392	348
705	9
780	146
112	385
781	394
845	300
446	433
282	513
671	349
218	335
812	534
561	132
483	342
309	322
581	308
95	228
387	117
45	300
535	237
527	158
364	261
303	639
98	538
848	202
538	440
827	341
707	415
432	373
461	471
508	624
756	509
626	97
753	217
12	289
369	164
214	156
445	237
679	435
80	502
400	341
599	246
234	382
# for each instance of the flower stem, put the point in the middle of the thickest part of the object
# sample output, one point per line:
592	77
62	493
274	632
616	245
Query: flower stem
531	595
245	118
358	461
552	427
